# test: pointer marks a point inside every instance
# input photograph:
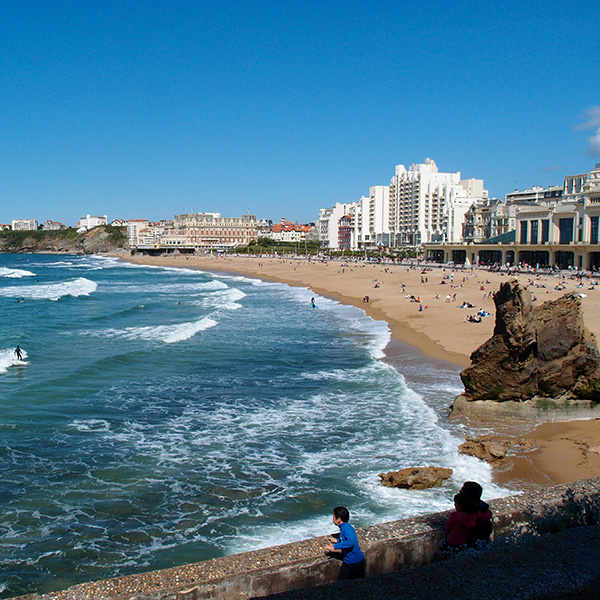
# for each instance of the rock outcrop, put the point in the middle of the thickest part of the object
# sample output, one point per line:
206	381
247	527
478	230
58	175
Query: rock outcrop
493	450
416	478
100	239
535	352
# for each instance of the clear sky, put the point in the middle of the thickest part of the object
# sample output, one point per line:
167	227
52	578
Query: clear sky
146	109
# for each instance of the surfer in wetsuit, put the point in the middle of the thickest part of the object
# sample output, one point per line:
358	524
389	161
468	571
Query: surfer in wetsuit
19	353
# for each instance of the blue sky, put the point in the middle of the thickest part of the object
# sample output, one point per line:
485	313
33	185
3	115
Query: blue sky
149	109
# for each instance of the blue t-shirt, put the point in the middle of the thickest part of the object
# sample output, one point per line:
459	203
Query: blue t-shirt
348	544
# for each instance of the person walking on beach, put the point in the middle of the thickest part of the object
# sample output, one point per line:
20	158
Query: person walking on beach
353	560
19	353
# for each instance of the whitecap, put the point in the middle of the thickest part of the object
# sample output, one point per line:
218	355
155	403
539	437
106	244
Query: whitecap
8	359
90	425
15	273
226	299
51	291
168	334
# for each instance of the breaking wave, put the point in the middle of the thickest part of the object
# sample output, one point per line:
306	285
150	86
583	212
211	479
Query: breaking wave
51	291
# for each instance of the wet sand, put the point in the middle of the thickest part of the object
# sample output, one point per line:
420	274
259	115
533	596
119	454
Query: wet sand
561	452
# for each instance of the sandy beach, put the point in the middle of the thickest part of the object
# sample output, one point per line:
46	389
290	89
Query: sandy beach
559	452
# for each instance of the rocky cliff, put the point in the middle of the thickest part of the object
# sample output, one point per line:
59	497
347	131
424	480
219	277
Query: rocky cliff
535	352
99	239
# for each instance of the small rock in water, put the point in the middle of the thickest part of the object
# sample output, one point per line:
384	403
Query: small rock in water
416	478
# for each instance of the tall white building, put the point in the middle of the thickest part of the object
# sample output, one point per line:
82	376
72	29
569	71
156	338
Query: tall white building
361	237
429	206
379	214
417	200
134	227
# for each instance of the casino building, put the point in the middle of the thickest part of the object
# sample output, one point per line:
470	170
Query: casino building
552	229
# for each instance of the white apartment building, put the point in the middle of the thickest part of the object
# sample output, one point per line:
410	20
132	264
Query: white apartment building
538	193
417	200
24	225
89	222
329	219
379	214
370	219
429	206
361	237
134	227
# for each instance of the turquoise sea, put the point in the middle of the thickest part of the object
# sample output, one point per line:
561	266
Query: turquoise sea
162	416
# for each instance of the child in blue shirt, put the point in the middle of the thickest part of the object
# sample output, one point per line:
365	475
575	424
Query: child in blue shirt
353	560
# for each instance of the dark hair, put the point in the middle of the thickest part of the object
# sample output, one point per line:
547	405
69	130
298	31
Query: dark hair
341	512
462	502
473	490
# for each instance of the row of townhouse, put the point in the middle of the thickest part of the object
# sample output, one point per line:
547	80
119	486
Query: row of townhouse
287	232
558	226
420	205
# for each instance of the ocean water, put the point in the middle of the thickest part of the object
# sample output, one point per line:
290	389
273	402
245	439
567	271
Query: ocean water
162	416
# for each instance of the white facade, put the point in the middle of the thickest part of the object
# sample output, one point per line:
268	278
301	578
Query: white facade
329	219
361	236
429	206
49	225
134	227
379	214
89	222
24	224
418	197
461	198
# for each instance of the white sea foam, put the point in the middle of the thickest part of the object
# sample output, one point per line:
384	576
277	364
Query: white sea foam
90	425
8	359
168	334
15	273
226	299
173	288
51	291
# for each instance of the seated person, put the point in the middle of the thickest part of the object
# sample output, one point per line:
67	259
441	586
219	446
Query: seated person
483	528
462	525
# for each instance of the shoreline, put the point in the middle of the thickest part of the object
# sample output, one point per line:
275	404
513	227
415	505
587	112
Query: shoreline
555	452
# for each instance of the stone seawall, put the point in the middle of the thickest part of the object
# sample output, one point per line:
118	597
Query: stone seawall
388	547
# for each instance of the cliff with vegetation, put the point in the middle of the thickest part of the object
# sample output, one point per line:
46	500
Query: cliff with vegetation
100	239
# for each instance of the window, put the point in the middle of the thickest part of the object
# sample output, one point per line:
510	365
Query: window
566	231
594	230
534	231
523	237
545	231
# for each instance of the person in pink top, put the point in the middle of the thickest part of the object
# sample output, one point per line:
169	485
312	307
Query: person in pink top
463	522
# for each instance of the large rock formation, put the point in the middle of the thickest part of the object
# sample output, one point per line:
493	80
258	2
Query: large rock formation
535	352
